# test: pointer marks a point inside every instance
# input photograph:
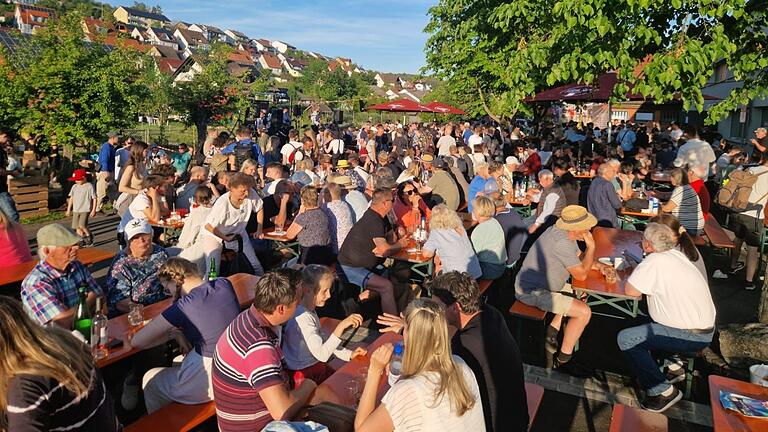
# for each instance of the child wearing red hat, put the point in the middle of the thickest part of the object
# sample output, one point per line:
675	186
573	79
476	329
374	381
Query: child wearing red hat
81	204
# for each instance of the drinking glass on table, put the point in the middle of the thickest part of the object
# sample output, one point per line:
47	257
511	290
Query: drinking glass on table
279	227
353	390
136	315
610	274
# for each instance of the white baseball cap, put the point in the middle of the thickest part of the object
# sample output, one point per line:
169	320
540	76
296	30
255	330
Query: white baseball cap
136	227
511	160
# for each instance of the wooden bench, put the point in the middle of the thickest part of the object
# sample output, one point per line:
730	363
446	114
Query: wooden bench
628	419
534	393
484	284
716	234
174	417
531	314
522	310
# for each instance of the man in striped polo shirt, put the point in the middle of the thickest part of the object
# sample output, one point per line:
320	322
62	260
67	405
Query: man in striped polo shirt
250	383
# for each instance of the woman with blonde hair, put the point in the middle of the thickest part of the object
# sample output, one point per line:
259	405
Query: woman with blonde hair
14	247
198	317
449	244
48	380
436	391
488	239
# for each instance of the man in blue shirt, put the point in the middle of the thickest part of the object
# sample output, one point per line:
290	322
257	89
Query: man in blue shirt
244	137
626	139
106	175
478	183
602	199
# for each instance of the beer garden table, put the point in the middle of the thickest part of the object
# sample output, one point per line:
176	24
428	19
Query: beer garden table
730	421
611	242
18	272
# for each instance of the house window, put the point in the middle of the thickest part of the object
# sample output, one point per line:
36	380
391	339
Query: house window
737	127
619	115
721	72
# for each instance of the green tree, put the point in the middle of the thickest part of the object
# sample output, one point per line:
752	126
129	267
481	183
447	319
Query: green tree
212	95
494	54
70	91
323	84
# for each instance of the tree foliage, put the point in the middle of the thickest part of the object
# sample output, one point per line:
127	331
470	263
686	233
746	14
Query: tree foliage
320	82
496	53
71	91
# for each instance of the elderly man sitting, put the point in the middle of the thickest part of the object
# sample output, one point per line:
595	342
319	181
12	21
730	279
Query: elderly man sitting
681	308
132	278
198	176
49	292
551	202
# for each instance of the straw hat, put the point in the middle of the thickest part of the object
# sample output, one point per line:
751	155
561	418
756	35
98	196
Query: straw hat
344	181
342	163
575	218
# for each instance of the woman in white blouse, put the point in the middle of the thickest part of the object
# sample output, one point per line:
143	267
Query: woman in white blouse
436	391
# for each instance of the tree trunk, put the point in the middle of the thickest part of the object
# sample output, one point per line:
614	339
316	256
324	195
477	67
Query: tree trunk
201	124
485	105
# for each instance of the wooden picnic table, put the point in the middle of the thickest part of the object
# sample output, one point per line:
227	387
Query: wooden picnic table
334	389
119	328
611	242
637	214
18	272
730	421
282	240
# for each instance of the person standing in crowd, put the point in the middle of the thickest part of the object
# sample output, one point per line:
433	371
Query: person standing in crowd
542	279
250	384
49	293
121	158
444	189
48	379
748	225
106	175
132	176
681	308
602	199
6	200
445	142
132	277
449	244
201	312
436	390
181	160
82	203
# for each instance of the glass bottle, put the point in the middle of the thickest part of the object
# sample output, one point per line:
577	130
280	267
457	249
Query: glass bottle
213	274
83	321
99	334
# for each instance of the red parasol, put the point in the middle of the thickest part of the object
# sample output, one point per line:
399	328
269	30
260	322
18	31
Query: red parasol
443	108
402	105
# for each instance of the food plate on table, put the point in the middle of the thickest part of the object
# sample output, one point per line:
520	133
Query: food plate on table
278	233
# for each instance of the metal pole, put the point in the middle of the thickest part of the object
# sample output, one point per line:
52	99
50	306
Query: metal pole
610	122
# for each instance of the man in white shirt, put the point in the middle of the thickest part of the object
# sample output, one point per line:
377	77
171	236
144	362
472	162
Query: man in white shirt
681	307
445	142
696	152
228	219
293	146
476	140
675	132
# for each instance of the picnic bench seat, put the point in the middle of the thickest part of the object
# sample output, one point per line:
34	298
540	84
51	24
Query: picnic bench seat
716	234
174	417
628	419
537	317
534	393
484	284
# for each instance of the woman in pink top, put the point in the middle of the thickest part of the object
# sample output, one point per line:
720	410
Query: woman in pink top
14	248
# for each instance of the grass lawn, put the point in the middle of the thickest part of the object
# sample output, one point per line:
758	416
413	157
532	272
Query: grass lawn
174	132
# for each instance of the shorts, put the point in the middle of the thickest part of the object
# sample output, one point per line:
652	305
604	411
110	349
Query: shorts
80	220
357	275
559	303
746	228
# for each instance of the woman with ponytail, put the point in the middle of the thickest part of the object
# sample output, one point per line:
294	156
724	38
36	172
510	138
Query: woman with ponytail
684	240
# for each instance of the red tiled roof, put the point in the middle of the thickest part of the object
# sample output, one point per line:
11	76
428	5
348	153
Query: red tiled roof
272	61
168	66
242	57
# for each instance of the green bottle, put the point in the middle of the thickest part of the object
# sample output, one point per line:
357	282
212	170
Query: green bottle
83	320
213	274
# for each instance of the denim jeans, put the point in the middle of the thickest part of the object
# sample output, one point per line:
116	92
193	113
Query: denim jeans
637	343
8	206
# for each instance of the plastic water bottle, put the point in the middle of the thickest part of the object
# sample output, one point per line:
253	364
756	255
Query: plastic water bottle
655	202
395	364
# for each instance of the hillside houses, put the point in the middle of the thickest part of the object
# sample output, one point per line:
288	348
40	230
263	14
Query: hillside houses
176	45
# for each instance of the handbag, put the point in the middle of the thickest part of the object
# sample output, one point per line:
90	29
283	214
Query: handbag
338	418
636	204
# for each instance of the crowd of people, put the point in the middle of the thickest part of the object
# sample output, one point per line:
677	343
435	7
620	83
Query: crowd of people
484	202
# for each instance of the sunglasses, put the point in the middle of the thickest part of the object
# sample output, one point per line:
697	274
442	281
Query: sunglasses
410	191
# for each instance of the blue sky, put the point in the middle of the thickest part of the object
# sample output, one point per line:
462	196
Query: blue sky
381	35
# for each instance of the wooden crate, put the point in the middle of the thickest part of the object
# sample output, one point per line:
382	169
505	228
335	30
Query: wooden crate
30	195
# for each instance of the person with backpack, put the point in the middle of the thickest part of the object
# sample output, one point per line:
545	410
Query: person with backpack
242	149
745	196
292	150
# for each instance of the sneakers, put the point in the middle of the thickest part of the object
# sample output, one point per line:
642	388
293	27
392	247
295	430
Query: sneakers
675	376
749	286
719	275
550	343
662	403
739	266
574	368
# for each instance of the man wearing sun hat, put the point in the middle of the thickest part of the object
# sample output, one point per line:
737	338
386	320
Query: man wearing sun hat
49	292
542	279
